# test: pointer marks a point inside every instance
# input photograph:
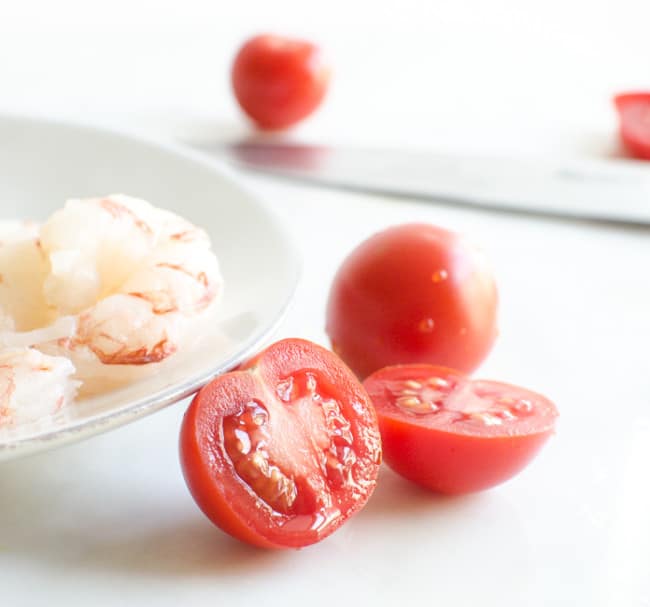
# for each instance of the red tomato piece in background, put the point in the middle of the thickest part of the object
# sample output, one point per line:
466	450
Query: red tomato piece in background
455	435
281	452
634	122
279	81
413	293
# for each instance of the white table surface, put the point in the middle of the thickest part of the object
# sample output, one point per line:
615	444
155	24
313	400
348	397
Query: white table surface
110	522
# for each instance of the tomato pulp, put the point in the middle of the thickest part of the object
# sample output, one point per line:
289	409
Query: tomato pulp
281	452
455	435
279	81
634	122
414	293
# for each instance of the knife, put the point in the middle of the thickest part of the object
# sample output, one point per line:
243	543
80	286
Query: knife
612	191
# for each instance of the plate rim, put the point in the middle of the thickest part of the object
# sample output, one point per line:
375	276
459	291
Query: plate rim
103	422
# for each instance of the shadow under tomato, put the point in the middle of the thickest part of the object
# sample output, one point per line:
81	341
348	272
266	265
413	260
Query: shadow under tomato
395	495
601	146
192	548
49	515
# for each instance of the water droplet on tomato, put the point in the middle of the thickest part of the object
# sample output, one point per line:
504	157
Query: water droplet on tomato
317	521
439	276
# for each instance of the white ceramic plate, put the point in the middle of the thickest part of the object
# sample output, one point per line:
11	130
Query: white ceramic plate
42	163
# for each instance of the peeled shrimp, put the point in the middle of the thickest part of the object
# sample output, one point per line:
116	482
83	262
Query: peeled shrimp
23	268
11	230
33	385
126	285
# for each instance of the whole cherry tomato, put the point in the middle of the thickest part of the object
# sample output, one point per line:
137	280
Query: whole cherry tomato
279	81
413	293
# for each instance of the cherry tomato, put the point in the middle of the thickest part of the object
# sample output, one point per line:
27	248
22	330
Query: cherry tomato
455	435
281	452
279	81
634	122
413	293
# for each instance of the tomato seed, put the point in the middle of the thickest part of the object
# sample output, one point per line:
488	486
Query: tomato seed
506	414
523	406
485	418
408	401
437	382
259	419
284	389
413	404
311	383
411	383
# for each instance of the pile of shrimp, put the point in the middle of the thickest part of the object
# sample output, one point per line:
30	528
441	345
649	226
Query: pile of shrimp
96	297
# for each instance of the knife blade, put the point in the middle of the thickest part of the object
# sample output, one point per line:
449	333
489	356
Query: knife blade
613	191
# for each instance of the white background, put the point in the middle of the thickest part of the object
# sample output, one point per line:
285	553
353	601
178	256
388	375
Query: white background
110	522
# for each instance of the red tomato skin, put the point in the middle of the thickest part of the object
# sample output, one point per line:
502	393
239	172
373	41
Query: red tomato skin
208	473
453	465
200	479
414	293
448	462
279	81
634	122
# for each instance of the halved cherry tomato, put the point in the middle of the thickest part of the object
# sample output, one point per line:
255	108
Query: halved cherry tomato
280	453
413	293
455	435
279	81
634	122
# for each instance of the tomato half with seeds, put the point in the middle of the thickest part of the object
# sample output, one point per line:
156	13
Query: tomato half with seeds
284	450
634	122
414	293
453	434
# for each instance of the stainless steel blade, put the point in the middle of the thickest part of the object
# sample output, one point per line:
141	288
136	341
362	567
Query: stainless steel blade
602	190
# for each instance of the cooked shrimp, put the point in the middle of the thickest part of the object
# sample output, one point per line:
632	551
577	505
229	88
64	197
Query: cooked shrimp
137	280
17	230
23	268
33	385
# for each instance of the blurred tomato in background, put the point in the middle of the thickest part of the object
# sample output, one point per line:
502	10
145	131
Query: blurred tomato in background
278	81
